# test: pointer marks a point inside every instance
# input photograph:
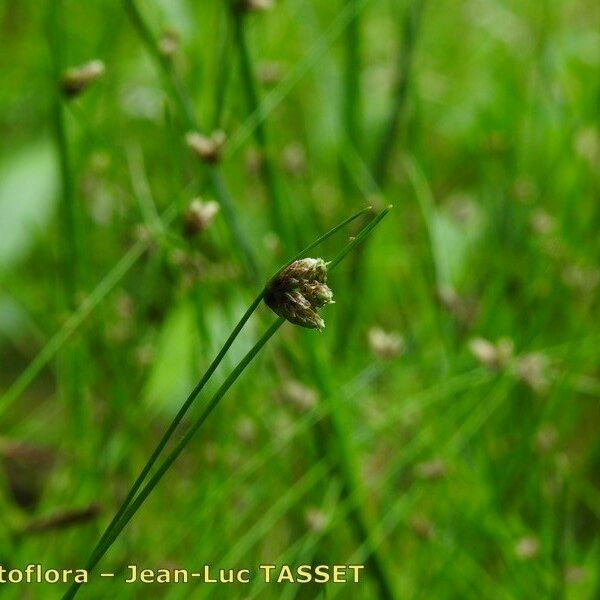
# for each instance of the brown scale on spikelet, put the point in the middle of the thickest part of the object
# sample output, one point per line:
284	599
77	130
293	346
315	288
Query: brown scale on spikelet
298	290
77	79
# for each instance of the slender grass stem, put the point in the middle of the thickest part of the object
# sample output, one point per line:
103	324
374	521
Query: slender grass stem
281	218
77	317
205	378
187	113
336	430
387	143
310	59
127	514
70	220
68	207
178	93
223	60
351	100
110	280
352	96
388	139
360	237
133	501
347	460
183	410
106	285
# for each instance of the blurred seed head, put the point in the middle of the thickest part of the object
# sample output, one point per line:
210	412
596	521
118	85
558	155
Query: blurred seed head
462	309
254	5
254	162
190	266
143	354
532	369
524	190
316	519
269	73
272	242
581	278
141	101
27	468
385	345
542	223
208	149
298	290
586	143
246	430
484	351
168	44
117	333
119	329
61	519
302	397
464	210
493	356
198	216
546	438
574	574
124	305
422	527
554	248
77	79
527	548
211	453
233	459
293	159
431	470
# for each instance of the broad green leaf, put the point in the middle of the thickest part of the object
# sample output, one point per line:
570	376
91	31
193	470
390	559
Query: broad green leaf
28	192
171	377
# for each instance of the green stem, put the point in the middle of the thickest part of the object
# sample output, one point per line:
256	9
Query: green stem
404	66
386	147
336	430
200	386
335	426
179	416
178	93
162	469
186	110
363	233
222	66
70	220
133	501
68	206
384	152
281	222
351	99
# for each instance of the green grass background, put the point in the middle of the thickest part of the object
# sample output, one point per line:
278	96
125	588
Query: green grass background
477	482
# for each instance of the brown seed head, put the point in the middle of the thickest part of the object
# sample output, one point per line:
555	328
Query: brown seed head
199	215
207	149
298	290
77	79
254	5
169	43
383	344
